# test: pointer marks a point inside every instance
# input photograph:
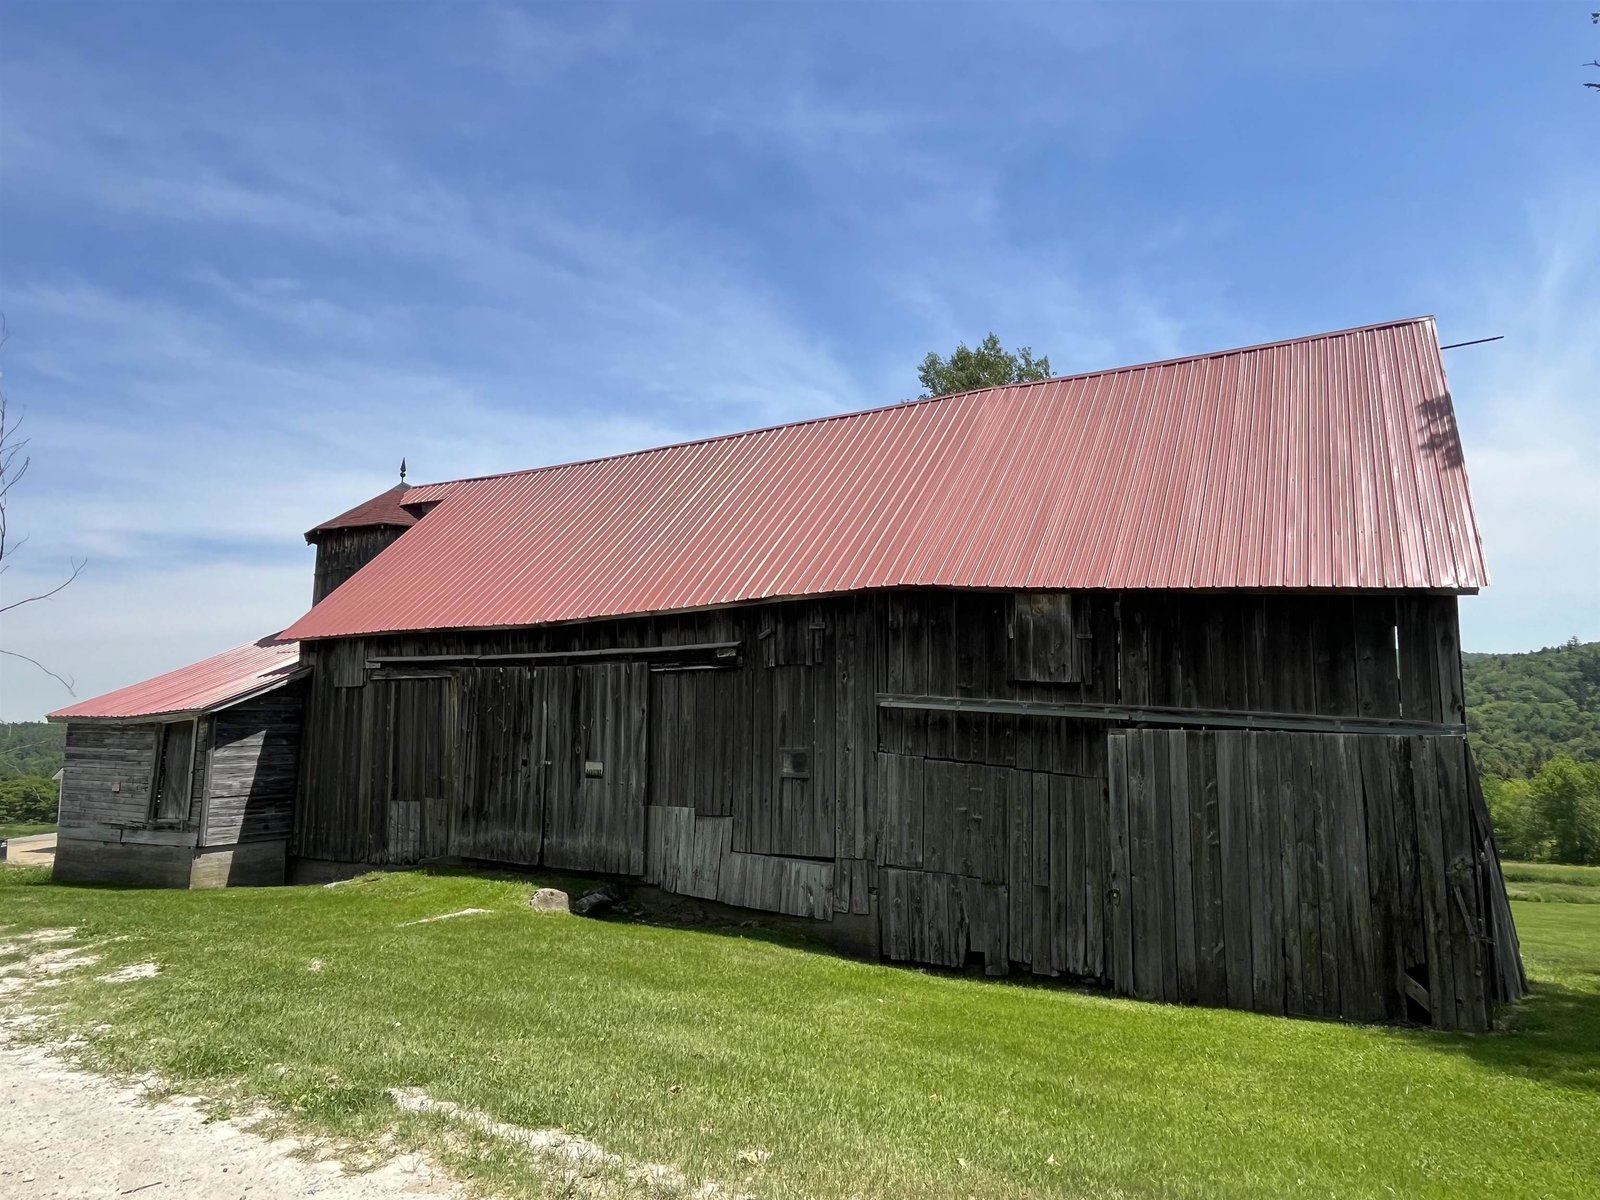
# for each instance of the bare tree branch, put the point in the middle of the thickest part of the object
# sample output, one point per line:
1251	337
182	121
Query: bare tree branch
77	569
66	683
14	463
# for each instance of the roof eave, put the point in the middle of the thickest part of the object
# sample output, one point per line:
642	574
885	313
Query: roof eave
179	714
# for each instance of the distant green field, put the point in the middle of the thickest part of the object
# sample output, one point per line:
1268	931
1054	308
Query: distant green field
1552	883
783	1071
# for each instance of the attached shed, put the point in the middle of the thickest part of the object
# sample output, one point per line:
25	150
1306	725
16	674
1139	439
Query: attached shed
1149	677
187	779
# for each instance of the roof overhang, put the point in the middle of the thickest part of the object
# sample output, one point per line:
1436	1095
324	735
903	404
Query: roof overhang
188	714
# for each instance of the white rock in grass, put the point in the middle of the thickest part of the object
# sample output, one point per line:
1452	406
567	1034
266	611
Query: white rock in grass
550	900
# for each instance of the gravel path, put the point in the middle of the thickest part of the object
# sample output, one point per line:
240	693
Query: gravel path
69	1133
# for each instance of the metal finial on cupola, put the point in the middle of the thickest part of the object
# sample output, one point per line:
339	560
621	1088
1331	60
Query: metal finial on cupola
402	470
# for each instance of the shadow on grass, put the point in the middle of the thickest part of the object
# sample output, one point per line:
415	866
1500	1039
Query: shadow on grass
1554	1038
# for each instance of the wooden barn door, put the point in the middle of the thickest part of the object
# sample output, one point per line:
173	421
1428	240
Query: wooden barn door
499	814
595	756
411	745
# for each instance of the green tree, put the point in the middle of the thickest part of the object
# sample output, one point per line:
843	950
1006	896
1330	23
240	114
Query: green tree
1510	804
1566	807
990	365
31	748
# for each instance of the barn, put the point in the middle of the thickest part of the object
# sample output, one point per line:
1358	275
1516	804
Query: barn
1147	677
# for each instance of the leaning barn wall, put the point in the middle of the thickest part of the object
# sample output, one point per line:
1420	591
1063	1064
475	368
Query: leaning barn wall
107	777
105	832
779	780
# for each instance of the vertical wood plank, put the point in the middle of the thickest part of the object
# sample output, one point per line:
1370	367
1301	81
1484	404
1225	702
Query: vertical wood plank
1232	808
1324	793
1471	984
1377	783
1183	914
1291	798
1434	886
1205	841
1148	949
1092	800
1119	915
1266	872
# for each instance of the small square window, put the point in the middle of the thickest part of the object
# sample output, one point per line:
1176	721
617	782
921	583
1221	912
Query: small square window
794	762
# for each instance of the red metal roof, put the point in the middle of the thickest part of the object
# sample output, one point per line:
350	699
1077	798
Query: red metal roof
210	683
1323	462
382	509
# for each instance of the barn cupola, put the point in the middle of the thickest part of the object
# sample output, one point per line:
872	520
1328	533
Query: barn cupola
351	540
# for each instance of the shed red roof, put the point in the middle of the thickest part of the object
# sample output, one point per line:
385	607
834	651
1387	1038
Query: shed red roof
210	683
383	509
1322	462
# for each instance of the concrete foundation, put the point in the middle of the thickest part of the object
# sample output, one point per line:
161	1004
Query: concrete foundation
140	864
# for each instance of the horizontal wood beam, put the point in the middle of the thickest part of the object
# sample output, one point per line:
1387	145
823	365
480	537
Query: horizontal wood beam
1128	714
704	653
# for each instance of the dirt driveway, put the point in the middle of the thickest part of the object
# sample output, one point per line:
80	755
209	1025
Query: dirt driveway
68	1133
36	850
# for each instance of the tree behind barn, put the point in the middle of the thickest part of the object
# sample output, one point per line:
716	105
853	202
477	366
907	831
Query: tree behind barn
989	365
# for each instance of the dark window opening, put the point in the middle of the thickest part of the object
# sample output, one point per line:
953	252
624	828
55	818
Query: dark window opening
169	790
794	762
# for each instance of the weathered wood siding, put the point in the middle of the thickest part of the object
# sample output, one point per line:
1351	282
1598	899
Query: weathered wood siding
769	775
108	773
1292	873
250	771
343	552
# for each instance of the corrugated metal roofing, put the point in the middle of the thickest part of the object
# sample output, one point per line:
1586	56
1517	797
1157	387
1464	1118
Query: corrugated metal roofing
383	509
1323	462
198	687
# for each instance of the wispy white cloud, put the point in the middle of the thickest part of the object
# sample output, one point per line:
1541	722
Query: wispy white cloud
272	284
1530	416
528	48
188	424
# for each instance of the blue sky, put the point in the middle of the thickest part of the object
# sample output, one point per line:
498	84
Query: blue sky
252	254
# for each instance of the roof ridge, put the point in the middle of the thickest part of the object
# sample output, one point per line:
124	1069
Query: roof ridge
919	400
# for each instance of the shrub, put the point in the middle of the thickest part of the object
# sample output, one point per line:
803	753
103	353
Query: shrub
28	800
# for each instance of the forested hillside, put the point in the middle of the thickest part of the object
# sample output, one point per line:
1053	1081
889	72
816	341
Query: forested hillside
31	748
1525	709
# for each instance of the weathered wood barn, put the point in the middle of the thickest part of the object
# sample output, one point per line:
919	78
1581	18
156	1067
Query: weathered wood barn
1147	677
187	779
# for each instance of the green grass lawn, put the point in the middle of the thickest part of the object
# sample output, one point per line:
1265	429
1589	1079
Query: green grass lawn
1552	882
699	1046
15	831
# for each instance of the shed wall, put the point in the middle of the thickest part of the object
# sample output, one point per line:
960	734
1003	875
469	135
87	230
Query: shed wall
241	797
251	769
109	769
